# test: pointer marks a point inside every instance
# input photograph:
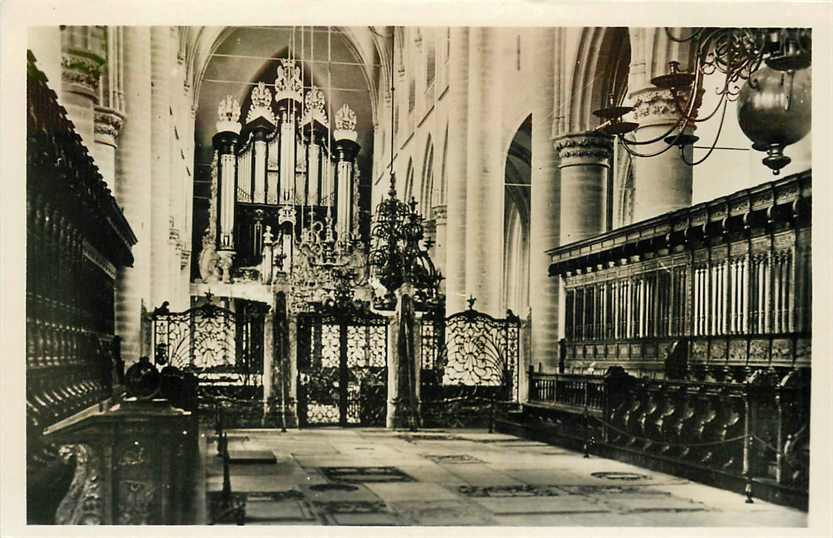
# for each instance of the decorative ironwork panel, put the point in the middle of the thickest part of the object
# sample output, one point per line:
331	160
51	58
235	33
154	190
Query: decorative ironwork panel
469	365
479	350
342	363
224	349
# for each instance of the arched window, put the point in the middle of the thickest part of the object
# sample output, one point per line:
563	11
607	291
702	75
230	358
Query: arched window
426	200
409	182
430	60
518	181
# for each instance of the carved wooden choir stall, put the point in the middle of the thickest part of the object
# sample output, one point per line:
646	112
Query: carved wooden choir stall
92	459
687	343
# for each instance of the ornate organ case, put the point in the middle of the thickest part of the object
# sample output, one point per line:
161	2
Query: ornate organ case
280	177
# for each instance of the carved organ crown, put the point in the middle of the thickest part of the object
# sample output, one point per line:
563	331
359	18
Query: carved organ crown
283	169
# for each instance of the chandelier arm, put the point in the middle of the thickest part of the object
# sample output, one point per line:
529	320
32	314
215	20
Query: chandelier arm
713	112
663	136
710	115
714	142
633	153
694	35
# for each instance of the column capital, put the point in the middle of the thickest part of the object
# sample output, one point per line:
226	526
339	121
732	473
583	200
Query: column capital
108	124
439	213
653	106
587	148
80	71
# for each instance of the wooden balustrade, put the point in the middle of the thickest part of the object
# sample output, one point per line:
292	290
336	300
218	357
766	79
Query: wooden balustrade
574	391
725	433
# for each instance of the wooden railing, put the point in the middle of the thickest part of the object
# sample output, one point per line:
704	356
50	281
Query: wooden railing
569	390
750	435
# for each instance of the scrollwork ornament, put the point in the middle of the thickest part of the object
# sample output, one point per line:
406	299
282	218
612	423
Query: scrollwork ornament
82	505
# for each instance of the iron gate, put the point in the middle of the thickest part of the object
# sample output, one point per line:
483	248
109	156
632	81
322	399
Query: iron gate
342	367
221	347
470	363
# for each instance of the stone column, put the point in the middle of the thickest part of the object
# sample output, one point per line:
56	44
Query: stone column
268	354
584	165
291	372
485	171
662	183
108	123
545	203
391	417
402	363
109	116
454	260
438	256
133	179
83	56
160	135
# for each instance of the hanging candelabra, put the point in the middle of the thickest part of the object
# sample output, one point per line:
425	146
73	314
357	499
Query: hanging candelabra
398	254
763	69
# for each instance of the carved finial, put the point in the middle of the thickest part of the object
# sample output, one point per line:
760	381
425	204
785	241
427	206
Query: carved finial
228	115
471	300
261	104
288	84
315	107
345	124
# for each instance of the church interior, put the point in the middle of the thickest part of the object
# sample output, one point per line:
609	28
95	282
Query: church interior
418	275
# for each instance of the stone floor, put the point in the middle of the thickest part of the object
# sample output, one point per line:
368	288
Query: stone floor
462	477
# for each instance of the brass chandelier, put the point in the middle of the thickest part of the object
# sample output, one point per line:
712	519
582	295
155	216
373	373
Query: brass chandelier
398	252
763	69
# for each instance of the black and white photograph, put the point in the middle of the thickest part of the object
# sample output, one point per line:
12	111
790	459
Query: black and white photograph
549	271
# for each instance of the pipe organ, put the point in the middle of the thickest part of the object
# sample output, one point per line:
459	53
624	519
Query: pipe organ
280	178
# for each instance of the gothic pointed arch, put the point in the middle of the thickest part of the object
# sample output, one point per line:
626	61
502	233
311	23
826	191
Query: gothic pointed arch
601	65
517	186
426	197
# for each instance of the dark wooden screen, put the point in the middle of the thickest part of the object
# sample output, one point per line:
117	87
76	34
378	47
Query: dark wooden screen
76	240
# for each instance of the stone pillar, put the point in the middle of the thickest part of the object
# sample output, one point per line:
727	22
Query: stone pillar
402	363
454	260
268	354
83	56
291	371
133	179
45	44
440	215
391	417
584	165
662	183
108	123
545	203
160	135
485	171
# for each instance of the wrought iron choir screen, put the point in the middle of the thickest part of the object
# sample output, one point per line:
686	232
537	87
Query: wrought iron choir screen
222	347
470	364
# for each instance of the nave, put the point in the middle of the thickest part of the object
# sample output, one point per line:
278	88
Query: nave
369	476
223	309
